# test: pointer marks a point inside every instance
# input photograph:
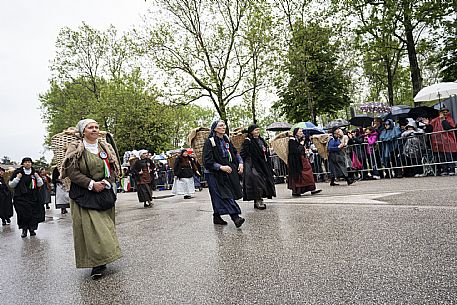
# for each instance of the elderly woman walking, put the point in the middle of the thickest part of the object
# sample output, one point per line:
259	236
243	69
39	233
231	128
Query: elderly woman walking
301	179
29	209
258	181
223	164
92	169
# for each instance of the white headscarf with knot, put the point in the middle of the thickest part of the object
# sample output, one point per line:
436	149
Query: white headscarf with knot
82	125
143	151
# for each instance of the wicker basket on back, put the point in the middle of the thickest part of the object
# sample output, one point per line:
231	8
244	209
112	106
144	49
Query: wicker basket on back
238	137
196	139
59	144
280	145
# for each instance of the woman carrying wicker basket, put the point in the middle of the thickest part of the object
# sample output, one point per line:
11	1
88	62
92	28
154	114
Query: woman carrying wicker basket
222	165
258	180
92	170
301	179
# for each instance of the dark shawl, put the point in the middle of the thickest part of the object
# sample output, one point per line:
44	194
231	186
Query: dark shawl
29	209
258	180
183	167
6	204
228	184
296	150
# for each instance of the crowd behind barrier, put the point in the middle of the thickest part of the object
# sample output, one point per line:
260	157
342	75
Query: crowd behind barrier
415	155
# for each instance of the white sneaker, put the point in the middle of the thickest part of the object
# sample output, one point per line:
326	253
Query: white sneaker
376	177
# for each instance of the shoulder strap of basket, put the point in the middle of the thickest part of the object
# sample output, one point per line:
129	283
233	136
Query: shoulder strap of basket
213	142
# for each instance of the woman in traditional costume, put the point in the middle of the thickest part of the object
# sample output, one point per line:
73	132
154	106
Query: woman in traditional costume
337	158
258	180
222	165
92	169
29	209
62	199
6	203
144	173
45	190
184	170
301	179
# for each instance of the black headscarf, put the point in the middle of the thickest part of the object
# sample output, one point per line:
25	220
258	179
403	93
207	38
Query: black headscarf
26	159
251	128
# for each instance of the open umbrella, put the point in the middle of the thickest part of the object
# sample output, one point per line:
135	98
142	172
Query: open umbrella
337	123
423	112
399	112
361	120
436	92
309	127
278	126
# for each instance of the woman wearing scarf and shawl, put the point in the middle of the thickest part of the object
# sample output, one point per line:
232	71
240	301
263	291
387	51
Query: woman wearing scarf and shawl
91	165
301	179
184	170
26	199
258	181
143	170
222	165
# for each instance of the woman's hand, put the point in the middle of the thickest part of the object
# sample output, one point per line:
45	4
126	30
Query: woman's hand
240	168
19	175
98	186
226	168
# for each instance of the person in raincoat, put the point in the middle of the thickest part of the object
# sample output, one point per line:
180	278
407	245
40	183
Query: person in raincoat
444	143
390	148
258	180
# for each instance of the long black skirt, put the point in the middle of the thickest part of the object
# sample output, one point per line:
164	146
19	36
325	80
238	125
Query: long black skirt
144	192
221	205
29	212
6	206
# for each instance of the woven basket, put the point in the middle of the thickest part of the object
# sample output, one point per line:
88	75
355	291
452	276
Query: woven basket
237	140
196	139
60	142
280	145
320	141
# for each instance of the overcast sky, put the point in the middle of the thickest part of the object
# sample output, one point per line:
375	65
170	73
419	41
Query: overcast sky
28	31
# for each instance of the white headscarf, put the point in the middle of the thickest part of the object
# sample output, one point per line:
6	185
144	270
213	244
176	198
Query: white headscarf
142	152
82	125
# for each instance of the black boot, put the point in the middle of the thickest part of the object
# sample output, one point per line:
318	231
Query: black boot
97	272
217	220
332	182
3	222
237	220
32	232
24	233
349	181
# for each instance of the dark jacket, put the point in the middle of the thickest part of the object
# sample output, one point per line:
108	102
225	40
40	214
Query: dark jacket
258	180
183	167
296	150
228	184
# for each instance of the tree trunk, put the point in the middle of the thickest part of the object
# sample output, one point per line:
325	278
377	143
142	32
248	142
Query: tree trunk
416	77
390	83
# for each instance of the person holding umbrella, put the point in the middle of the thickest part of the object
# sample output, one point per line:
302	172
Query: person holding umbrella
444	142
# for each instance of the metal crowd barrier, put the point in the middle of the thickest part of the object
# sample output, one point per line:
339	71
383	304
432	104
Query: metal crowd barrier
419	154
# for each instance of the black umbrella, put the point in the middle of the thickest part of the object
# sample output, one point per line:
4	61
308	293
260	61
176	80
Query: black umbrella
361	120
337	123
423	112
279	126
399	112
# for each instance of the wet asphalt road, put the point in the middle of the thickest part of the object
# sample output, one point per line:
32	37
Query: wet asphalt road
376	242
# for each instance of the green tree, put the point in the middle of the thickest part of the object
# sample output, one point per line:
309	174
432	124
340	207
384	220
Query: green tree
317	83
201	48
448	56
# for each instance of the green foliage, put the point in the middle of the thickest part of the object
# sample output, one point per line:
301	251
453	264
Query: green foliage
317	83
448	56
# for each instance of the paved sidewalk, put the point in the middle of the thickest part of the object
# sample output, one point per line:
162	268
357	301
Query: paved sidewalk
387	241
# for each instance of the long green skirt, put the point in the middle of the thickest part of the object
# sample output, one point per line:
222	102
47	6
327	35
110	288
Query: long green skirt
94	235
